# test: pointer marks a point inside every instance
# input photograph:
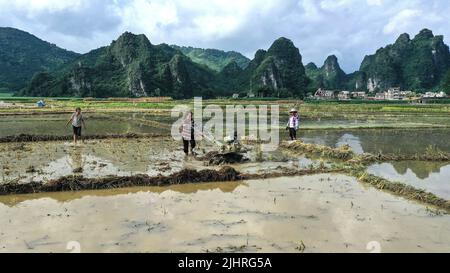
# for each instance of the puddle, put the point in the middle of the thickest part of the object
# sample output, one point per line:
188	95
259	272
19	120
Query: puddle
327	213
430	176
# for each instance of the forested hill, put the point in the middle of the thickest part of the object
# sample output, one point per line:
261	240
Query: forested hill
22	55
215	59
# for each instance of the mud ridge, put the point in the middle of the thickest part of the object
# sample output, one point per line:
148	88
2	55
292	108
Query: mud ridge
217	159
79	183
367	159
342	153
44	138
403	190
345	153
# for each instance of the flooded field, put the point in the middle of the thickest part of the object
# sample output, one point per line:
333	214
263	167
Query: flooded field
430	176
404	141
333	211
97	123
44	161
386	136
322	213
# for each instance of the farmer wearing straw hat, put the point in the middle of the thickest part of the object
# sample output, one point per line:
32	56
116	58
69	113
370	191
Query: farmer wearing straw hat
293	124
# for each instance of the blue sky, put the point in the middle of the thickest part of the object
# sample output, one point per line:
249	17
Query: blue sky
350	29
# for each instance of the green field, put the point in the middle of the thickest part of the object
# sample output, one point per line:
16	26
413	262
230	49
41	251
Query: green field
307	109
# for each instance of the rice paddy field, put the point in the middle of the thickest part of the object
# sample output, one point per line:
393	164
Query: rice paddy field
360	175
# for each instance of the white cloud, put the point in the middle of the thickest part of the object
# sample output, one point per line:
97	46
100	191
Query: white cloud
402	21
375	2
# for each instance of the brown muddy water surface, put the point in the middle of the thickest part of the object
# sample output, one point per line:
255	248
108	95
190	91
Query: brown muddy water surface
387	141
45	161
319	213
326	131
325	213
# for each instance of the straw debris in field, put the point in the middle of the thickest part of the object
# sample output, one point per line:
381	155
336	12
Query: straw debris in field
403	190
78	183
216	158
433	156
342	153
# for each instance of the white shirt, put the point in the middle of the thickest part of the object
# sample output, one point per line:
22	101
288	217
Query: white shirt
77	119
294	122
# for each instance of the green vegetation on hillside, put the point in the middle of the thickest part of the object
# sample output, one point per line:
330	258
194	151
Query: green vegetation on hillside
215	59
446	83
130	67
277	72
330	76
22	55
133	67
418	64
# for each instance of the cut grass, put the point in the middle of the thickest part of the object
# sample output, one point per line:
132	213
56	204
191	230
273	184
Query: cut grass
402	190
342	153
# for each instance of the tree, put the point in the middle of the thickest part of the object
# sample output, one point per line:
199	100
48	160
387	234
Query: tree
446	83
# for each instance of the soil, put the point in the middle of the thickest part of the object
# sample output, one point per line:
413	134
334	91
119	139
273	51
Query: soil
78	183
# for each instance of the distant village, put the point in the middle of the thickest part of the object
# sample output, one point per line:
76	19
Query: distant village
392	94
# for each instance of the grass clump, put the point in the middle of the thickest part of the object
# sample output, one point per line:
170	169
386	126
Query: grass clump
403	190
343	153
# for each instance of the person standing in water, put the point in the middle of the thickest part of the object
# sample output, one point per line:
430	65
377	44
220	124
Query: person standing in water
293	124
188	133
78	123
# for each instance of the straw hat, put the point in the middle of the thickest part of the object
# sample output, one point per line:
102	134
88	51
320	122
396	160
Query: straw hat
293	110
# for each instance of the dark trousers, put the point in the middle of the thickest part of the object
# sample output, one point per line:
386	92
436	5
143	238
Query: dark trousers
77	131
186	145
293	133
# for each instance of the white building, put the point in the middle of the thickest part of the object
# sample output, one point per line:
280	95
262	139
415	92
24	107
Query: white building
325	94
430	95
359	95
394	94
344	95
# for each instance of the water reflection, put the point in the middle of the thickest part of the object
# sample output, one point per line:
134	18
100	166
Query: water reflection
430	176
65	197
98	123
405	141
327	213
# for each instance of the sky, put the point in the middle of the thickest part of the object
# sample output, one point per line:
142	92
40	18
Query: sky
349	29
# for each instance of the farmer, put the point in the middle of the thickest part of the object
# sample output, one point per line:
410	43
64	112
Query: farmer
293	124
188	133
77	121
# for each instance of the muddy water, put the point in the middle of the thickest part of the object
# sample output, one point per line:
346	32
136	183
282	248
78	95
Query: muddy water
97	124
44	161
325	213
405	141
50	160
349	121
430	176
